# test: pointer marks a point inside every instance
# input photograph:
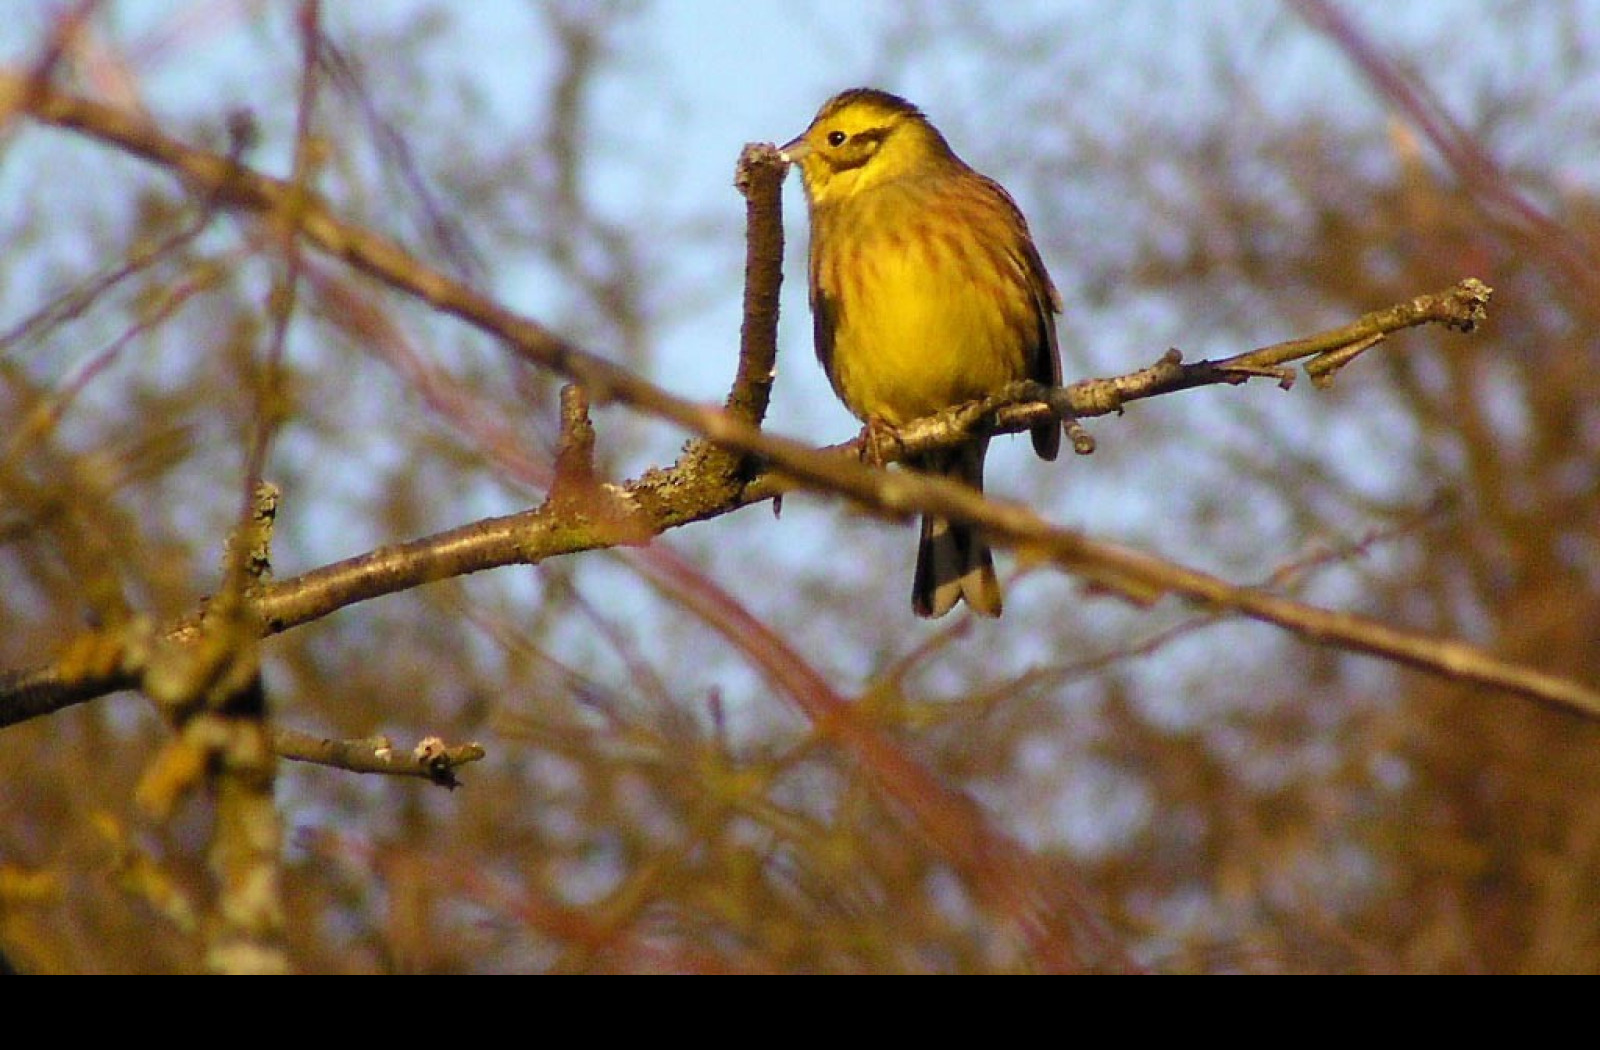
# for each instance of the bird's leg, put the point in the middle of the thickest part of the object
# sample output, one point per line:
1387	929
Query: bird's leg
880	441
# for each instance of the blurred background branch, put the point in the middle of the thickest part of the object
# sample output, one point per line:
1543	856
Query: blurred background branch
1086	784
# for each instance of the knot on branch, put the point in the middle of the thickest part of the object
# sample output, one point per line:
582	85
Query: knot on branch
1466	305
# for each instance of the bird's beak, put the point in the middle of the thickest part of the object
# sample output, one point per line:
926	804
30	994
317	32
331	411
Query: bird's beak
795	151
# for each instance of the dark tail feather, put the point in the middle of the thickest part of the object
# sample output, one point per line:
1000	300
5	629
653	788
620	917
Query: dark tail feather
953	562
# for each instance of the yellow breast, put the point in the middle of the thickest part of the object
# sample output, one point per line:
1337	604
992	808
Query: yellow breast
922	304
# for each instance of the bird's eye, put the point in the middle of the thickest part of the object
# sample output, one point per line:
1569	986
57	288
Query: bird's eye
836	138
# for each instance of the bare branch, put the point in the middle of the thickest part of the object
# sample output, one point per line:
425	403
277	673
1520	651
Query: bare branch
1021	406
675	496
432	759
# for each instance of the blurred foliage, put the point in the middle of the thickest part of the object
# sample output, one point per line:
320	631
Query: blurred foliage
1223	797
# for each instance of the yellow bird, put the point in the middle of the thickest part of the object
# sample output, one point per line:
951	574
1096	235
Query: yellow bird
926	292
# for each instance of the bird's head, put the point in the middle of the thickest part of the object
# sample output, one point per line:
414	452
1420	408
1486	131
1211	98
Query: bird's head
861	138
